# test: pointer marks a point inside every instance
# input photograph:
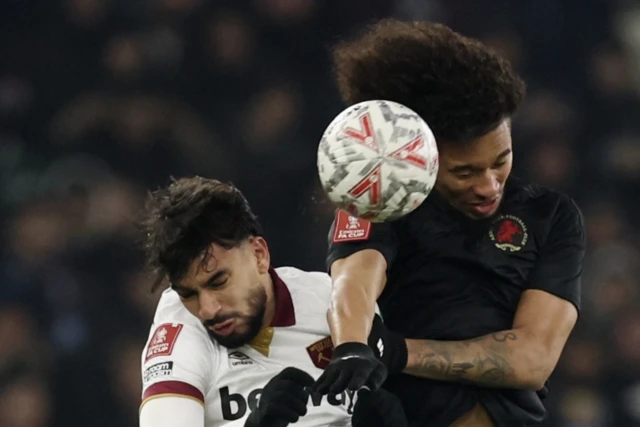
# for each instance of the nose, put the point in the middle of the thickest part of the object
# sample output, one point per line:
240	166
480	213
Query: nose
487	186
209	305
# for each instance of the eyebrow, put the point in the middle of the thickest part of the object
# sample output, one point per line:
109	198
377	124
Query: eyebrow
464	168
217	275
180	288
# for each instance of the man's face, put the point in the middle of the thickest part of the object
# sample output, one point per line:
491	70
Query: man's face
471	176
226	290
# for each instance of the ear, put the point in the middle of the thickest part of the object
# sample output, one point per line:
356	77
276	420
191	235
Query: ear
261	252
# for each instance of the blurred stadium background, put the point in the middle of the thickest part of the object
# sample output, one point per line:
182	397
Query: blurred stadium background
101	100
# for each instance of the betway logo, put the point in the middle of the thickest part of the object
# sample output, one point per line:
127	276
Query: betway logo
234	405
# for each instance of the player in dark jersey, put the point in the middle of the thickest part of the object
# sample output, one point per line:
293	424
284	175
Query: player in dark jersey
483	279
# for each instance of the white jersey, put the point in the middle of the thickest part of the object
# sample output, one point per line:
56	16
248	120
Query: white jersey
181	360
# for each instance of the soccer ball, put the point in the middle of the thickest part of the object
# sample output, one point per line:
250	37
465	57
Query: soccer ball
378	160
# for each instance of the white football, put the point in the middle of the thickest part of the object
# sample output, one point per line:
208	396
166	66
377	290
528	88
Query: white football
378	160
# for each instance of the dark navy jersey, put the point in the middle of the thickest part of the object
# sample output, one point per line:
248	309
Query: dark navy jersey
453	278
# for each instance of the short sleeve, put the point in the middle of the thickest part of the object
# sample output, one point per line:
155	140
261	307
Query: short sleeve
177	362
349	234
559	267
172	412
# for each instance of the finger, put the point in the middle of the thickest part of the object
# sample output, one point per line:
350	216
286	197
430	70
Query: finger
358	379
325	381
341	382
281	416
296	375
300	391
377	377
296	401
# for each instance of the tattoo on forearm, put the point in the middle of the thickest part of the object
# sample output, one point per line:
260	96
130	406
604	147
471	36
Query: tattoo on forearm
461	368
504	336
493	370
482	361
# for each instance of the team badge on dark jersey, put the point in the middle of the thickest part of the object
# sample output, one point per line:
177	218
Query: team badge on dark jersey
509	233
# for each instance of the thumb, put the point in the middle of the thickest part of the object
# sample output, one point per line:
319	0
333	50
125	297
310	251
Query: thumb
297	376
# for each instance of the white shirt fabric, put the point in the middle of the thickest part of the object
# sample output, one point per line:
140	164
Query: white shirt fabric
191	381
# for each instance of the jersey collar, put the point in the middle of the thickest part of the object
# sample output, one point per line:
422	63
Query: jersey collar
285	314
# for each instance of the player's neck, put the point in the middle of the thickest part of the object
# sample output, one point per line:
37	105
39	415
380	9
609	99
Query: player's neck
270	309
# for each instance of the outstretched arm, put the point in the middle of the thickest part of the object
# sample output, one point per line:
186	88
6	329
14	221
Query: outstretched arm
358	264
522	357
358	280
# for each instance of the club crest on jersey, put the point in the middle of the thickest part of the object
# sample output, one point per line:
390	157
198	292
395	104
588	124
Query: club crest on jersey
349	228
509	233
321	352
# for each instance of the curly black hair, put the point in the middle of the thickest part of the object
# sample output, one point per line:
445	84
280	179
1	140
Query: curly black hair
181	221
459	86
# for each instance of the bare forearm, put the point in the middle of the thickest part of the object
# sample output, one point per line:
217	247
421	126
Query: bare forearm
504	359
357	283
350	314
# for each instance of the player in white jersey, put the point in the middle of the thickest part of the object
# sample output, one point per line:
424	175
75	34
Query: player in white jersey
235	342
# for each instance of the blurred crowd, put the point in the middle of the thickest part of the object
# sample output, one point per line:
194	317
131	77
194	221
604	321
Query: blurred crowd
103	100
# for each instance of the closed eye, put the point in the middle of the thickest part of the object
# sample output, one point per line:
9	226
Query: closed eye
185	294
464	174
216	284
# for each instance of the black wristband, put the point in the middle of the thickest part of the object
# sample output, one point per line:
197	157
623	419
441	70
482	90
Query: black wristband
399	353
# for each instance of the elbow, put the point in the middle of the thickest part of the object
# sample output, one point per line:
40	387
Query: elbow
533	382
536	370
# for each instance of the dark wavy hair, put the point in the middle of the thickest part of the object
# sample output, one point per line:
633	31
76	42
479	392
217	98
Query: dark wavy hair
459	86
181	221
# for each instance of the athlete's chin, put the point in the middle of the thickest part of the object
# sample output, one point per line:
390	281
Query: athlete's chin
486	214
232	340
483	210
241	334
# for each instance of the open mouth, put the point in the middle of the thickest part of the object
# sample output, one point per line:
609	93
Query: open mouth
485	208
223	328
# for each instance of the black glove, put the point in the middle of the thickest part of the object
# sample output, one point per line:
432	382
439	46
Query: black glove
544	391
283	400
352	366
378	409
388	346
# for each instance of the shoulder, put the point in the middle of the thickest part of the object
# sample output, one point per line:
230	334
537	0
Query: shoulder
295	278
554	216
171	310
175	333
545	201
310	290
179	358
